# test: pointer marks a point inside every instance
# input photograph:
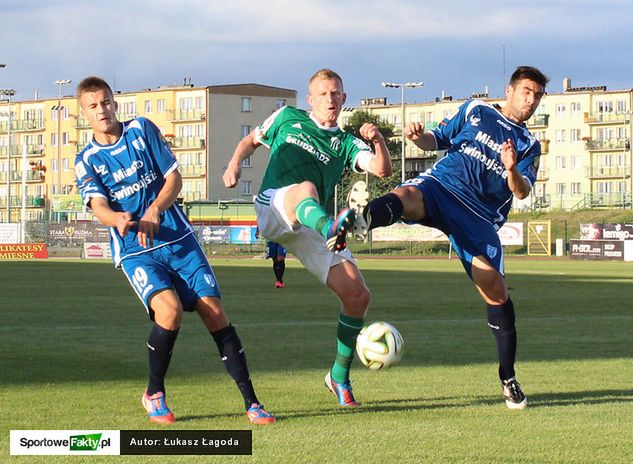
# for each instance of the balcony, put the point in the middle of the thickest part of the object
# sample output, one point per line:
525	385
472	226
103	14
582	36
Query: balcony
179	143
608	145
16	151
189	115
544	147
605	172
607	118
190	170
540	120
31	176
82	123
608	200
16	202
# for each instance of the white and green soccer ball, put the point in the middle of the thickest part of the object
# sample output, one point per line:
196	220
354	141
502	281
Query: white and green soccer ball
379	345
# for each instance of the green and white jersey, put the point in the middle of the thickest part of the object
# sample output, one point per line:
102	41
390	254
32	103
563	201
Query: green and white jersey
301	149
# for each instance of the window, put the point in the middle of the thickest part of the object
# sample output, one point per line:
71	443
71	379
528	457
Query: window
575	108
604	107
246	162
604	187
65	164
280	103
575	162
65	138
246	104
54	139
561	189
148	106
65	112
621	133
54	165
575	135
560	110
185	103
575	188
245	187
620	106
160	106
199	103
246	130
54	113
560	136
560	162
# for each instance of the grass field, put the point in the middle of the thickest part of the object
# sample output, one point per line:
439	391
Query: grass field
73	356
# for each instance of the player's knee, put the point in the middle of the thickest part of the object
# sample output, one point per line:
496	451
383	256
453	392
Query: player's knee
501	318
307	189
357	299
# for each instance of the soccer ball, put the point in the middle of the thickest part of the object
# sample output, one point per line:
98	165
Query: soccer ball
379	345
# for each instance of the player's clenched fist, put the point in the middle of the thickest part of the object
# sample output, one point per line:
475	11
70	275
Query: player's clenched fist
369	131
414	131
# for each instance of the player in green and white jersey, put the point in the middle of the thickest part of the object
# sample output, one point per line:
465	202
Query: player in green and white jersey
308	155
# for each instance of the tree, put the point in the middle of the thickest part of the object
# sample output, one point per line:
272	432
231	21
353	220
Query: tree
376	187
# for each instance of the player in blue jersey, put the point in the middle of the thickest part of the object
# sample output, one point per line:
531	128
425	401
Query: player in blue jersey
277	253
491	157
129	178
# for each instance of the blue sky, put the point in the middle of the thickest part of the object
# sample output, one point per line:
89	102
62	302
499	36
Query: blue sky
453	46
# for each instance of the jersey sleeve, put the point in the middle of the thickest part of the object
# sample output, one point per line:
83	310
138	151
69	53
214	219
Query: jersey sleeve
450	126
265	133
528	164
158	147
88	182
358	150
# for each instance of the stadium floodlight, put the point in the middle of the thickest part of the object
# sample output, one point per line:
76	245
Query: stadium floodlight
8	93
61	83
402	86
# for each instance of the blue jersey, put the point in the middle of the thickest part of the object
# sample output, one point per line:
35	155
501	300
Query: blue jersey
472	169
129	174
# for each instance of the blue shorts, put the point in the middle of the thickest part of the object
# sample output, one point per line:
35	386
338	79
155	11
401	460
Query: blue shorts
470	234
181	266
274	249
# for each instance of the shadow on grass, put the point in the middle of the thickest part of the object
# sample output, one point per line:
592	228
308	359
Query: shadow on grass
538	400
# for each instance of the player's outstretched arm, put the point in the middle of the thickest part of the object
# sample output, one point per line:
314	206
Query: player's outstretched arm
424	140
380	164
244	149
121	221
516	182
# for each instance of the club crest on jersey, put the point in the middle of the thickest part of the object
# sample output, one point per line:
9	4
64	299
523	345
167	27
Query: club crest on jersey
491	251
335	143
474	120
209	279
139	144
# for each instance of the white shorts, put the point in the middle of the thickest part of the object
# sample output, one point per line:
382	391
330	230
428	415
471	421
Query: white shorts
306	244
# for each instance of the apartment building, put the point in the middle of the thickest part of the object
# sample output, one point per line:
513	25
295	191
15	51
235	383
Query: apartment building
585	135
201	124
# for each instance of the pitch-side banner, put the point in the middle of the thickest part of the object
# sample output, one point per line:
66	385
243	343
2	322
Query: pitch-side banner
131	442
510	234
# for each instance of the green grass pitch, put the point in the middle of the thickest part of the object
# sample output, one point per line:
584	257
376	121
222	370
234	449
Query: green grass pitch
73	356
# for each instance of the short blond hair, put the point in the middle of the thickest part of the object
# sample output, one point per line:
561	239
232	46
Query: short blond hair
326	73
